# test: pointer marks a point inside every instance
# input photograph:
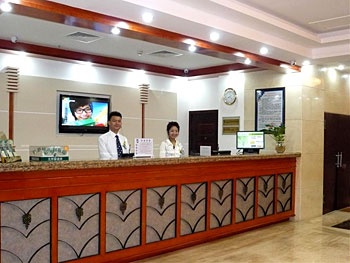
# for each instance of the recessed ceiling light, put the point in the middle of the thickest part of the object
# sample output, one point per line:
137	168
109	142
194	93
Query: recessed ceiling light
147	17
123	25
115	30
239	54
306	63
264	51
214	36
5	7
189	41
192	48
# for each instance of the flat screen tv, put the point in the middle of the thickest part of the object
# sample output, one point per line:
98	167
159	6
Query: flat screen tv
250	141
83	113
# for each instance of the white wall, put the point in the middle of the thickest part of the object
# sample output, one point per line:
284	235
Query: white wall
200	94
206	94
35	103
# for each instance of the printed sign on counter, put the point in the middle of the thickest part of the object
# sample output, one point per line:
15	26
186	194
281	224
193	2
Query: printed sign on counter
143	147
48	153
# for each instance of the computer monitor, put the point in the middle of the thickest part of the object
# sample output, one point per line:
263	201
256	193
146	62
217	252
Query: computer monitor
250	141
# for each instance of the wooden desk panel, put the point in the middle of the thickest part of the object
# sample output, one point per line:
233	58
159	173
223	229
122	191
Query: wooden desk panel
140	210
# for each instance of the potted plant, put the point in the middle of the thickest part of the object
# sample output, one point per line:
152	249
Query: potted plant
278	134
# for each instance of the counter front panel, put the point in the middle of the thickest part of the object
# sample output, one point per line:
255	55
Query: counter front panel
132	210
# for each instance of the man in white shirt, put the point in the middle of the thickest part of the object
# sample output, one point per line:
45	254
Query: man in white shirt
108	142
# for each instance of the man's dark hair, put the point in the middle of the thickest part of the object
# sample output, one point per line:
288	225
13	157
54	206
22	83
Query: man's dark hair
172	124
114	113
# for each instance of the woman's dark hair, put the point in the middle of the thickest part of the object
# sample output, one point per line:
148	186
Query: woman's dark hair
172	124
114	113
76	103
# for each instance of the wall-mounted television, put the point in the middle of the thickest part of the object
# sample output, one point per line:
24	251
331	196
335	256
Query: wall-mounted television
250	141
83	113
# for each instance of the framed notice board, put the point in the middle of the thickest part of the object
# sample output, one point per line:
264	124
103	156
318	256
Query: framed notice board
269	107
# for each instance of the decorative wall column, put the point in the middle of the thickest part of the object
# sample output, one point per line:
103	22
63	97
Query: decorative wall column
143	100
12	75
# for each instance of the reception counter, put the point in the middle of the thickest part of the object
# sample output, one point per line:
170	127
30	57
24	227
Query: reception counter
124	210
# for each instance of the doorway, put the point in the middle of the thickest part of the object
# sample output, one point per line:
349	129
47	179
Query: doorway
203	130
336	177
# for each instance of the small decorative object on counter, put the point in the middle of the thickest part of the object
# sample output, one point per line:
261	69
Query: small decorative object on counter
48	153
8	153
278	134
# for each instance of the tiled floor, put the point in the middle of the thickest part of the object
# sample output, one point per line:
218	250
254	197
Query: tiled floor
298	242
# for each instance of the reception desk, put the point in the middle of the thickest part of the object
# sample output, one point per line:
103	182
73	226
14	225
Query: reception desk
124	210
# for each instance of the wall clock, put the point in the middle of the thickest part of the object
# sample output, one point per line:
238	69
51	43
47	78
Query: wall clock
230	96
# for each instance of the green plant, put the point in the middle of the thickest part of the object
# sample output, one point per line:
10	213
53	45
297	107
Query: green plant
277	132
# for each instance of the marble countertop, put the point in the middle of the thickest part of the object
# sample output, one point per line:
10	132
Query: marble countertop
64	165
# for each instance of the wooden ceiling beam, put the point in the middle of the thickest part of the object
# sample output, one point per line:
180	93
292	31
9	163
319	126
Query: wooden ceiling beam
63	14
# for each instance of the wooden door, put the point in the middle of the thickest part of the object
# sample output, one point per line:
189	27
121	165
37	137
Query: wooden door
336	178
203	130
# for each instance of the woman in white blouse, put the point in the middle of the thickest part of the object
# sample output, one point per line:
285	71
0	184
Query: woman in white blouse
171	147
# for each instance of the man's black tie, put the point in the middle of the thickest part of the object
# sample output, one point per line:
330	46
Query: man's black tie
119	147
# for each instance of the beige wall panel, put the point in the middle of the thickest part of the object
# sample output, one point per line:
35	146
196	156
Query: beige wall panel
311	201
313	170
337	94
126	101
294	141
313	136
131	129
4	122
33	128
157	99
313	103
263	79
35	121
294	101
3	93
4	106
157	132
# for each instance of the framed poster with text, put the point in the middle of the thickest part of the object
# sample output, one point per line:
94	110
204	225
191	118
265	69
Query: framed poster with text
269	107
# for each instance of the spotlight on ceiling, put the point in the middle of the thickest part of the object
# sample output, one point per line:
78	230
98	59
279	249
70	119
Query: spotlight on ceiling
5	7
115	30
247	61
284	66
214	36
147	17
123	25
264	51
192	48
239	54
189	41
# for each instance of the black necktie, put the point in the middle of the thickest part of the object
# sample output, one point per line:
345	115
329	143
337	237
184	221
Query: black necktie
119	147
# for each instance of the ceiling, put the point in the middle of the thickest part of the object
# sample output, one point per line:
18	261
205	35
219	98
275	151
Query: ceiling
293	31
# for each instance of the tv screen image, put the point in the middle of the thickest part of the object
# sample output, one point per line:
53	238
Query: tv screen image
83	113
250	141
